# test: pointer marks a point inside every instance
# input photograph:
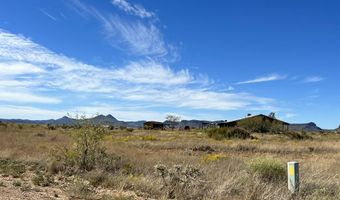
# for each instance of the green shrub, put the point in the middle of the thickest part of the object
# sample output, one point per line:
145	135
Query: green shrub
181	182
81	190
267	169
41	180
228	133
298	136
20	126
3	125
51	127
96	177
12	167
17	183
149	138
85	152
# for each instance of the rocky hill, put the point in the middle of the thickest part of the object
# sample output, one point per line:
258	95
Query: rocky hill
308	127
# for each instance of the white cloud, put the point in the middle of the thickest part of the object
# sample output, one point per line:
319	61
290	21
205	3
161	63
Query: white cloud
25	97
271	77
147	82
123	113
138	37
152	73
133	9
19	68
313	79
28	112
196	98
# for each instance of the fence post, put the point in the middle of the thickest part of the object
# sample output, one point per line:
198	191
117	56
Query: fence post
293	176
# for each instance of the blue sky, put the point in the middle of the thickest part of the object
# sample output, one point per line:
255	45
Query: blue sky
144	59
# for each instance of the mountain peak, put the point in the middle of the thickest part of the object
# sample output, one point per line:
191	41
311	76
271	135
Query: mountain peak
110	116
311	124
65	117
104	119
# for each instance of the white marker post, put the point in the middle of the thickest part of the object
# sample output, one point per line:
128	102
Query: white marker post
293	176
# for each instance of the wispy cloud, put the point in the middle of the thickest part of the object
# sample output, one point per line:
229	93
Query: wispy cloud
133	9
25	97
313	79
151	72
48	14
145	82
28	112
140	38
137	37
19	68
271	77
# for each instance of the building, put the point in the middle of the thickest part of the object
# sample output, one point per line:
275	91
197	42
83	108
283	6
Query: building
153	125
259	119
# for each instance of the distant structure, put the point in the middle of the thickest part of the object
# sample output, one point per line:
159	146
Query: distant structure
261	117
153	125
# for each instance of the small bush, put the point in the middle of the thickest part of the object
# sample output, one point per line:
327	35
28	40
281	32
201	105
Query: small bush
212	157
17	183
267	169
40	135
2	184
228	133
246	148
129	129
20	126
96	178
85	152
149	138
41	180
3	125
181	182
204	148
51	127
298	136
12	167
81	190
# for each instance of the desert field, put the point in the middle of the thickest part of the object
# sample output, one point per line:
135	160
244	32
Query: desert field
166	164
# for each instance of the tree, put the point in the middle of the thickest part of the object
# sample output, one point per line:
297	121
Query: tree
86	151
172	119
272	115
87	144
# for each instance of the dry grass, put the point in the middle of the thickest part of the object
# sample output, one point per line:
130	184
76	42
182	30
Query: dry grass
224	166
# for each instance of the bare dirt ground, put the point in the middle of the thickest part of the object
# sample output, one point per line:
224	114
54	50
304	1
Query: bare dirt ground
23	189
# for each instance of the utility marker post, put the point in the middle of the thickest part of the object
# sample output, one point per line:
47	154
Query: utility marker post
293	176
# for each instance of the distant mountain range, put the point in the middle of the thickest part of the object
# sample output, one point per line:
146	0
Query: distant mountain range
100	119
112	121
108	120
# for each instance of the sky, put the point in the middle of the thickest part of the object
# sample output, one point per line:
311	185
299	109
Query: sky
145	59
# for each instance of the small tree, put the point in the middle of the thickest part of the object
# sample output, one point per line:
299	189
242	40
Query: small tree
172	119
86	151
87	143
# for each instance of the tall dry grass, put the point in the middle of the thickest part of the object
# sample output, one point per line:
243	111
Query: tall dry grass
224	166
